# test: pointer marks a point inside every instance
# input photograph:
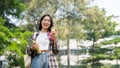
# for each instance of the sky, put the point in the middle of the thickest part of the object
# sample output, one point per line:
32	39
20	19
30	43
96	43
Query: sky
111	6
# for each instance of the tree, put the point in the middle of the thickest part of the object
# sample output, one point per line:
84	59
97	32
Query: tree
35	9
70	20
10	42
11	7
96	27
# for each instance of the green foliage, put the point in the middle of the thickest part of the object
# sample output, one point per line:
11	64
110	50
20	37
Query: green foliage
11	7
2	20
17	45
6	31
99	50
109	27
115	41
98	26
102	53
9	40
15	60
5	37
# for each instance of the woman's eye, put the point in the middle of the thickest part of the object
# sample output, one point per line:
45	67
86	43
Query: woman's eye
46	20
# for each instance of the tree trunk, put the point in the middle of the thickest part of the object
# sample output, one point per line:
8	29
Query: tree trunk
68	53
93	52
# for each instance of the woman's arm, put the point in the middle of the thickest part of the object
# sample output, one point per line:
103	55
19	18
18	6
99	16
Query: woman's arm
31	51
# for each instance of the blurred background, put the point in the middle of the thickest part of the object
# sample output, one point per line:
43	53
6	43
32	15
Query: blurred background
88	30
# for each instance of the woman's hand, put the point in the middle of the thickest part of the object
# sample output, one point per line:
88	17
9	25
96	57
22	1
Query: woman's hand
34	46
54	34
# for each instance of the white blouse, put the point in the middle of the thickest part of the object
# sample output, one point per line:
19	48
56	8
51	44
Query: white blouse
43	40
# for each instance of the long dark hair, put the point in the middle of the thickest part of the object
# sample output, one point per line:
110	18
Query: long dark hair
51	22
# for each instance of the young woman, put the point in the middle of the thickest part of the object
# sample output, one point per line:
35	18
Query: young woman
44	47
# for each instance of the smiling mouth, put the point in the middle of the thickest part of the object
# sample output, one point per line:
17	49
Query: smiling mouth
45	24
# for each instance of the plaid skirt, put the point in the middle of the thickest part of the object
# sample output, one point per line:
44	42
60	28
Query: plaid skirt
52	60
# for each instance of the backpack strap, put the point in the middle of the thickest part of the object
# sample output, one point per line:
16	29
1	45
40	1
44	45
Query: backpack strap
35	35
29	51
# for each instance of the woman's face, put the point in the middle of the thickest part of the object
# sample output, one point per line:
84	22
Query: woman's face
46	22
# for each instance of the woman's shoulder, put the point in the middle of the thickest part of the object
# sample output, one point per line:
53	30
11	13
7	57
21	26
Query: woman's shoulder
34	35
35	32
